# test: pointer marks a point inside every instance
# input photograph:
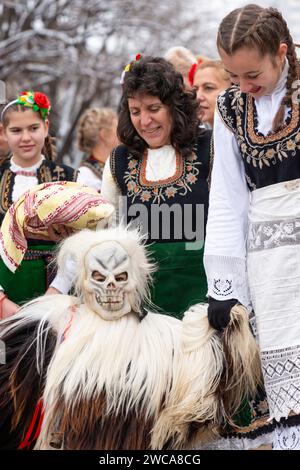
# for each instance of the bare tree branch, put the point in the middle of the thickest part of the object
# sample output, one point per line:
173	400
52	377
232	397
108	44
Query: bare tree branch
75	50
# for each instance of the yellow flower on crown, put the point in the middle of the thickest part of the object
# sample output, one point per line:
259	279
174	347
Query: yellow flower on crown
35	100
128	67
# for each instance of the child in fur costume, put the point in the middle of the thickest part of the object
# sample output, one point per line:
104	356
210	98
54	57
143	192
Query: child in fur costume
99	371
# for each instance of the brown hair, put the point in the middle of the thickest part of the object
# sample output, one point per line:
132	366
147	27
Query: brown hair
90	123
49	149
214	64
264	29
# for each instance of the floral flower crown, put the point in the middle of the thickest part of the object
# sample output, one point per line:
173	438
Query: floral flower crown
128	67
35	100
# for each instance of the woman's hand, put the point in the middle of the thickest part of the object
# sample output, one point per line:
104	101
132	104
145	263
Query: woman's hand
7	307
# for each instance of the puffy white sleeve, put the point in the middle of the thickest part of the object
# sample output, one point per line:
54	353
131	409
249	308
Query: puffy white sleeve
87	177
110	191
226	233
65	279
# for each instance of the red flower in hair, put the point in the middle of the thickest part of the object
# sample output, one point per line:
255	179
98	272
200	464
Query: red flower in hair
41	100
191	74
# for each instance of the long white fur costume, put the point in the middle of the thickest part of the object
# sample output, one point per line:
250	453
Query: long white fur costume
160	371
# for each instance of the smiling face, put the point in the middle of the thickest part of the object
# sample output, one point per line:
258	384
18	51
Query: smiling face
151	119
254	73
25	132
209	82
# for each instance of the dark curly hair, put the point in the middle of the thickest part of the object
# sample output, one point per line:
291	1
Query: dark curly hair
156	77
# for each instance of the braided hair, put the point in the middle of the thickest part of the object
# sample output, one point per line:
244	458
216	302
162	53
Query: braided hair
90	123
264	29
49	149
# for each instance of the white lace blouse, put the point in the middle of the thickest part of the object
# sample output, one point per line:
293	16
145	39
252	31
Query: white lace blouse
226	235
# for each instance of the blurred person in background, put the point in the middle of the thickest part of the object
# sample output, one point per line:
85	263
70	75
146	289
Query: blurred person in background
210	80
4	148
184	61
96	136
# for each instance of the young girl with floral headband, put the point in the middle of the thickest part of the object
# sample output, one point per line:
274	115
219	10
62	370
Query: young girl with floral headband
25	123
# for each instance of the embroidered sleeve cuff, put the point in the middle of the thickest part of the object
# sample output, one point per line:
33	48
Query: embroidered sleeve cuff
226	278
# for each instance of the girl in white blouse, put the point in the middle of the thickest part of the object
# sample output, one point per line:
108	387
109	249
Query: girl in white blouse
252	250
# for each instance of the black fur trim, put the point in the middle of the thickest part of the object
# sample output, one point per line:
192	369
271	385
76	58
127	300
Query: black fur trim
142	313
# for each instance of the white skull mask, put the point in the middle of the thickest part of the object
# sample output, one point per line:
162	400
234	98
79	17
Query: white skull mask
108	281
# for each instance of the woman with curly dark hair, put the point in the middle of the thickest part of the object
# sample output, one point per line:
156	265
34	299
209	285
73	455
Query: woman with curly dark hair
158	177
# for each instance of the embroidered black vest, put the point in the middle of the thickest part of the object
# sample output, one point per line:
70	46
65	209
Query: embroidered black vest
94	165
48	172
270	159
174	209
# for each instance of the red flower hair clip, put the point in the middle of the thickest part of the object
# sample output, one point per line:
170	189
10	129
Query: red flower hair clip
35	100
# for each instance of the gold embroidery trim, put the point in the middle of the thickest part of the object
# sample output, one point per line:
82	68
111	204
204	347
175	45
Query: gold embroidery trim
223	119
46	175
148	183
4	190
277	135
